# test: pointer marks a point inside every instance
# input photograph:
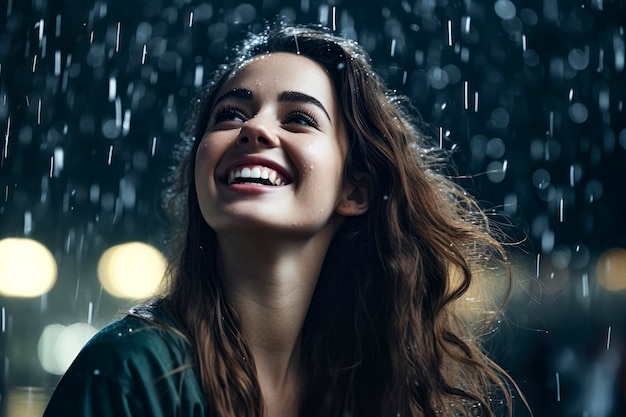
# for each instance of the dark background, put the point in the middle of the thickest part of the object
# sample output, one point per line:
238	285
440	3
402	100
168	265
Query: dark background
543	148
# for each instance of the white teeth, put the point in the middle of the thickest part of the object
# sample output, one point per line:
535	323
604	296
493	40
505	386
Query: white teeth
259	172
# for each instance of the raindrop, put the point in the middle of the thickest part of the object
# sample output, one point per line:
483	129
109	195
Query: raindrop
547	240
323	14
531	58
608	339
552	150
112	88
96	56
143	33
295	39
578	59
126	123
118	36
57	28
561	257
580	256
39	105
454	73
90	313
538	265
529	17
110	155
510	204
128	194
593	191
575	174
585	285
500	118
495	148
58	158
437	78
578	113
94	193
496	171
505	9
203	12
244	13
541	179
604	100
28	222
478	145
466	23
57	63
198	76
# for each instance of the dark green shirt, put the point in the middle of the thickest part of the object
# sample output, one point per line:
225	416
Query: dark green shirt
132	367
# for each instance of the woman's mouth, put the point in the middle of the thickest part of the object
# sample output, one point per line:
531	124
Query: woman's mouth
255	174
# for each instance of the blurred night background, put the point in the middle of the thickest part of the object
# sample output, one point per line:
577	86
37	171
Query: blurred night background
528	94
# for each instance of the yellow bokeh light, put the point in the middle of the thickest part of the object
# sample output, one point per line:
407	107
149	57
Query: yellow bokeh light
27	268
131	270
611	269
59	345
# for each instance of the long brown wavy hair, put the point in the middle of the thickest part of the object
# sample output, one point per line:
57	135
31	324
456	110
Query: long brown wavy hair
383	336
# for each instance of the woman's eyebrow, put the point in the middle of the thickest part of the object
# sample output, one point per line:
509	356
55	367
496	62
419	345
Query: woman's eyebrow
240	93
295	96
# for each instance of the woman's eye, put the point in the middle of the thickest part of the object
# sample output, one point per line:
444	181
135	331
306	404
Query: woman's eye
301	118
228	114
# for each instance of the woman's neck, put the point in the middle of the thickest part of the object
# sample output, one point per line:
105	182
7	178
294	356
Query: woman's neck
270	284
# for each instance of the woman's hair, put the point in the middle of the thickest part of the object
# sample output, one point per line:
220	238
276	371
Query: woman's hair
383	336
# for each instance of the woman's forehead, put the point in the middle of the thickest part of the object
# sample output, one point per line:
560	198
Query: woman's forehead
283	71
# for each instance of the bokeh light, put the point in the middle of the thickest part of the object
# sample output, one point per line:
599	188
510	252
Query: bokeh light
59	345
611	269
27	268
131	270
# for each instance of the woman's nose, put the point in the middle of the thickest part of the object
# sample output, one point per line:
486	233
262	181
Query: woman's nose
257	131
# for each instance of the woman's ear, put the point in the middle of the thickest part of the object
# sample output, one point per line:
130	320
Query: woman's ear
356	195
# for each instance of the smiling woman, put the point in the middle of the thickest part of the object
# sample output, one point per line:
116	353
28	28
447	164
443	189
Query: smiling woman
318	262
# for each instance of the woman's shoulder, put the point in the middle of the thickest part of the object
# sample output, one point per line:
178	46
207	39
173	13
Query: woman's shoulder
138	365
147	334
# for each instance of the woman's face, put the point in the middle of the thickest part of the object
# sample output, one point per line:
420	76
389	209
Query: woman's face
273	155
